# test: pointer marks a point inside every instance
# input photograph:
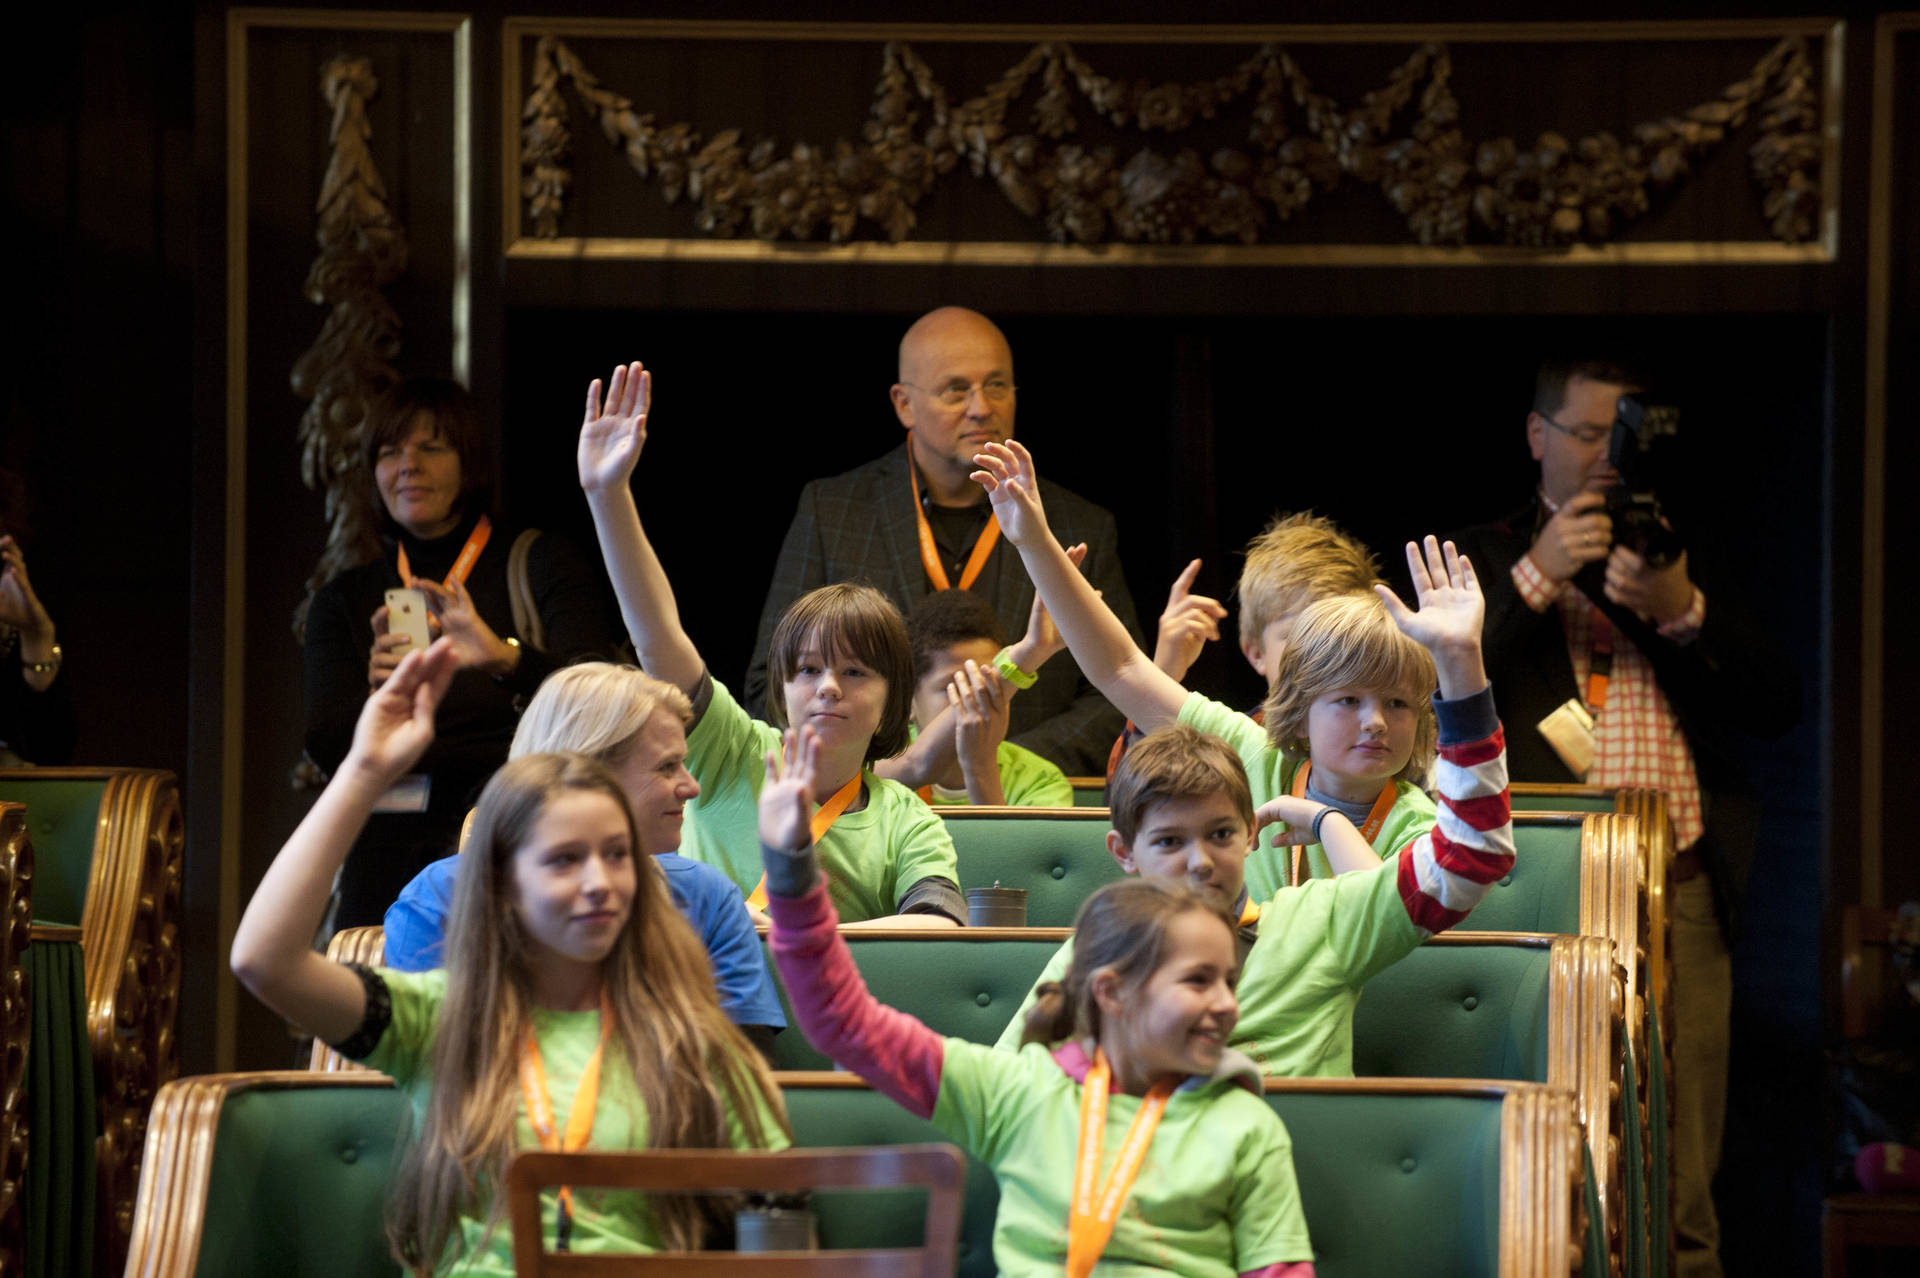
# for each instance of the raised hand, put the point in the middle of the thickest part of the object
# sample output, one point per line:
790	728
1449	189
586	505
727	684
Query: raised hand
786	799
1042	639
1006	472
396	724
1189	621
611	436
1449	618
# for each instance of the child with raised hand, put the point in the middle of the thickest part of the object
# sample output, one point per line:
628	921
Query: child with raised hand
959	651
841	663
1126	1133
1183	811
1368	726
572	987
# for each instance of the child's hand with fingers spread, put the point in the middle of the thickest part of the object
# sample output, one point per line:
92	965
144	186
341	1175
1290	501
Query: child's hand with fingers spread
786	800
611	437
1185	627
1042	640
1006	472
1450	615
396	724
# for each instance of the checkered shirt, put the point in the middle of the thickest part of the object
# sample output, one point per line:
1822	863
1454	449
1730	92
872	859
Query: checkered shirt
1637	737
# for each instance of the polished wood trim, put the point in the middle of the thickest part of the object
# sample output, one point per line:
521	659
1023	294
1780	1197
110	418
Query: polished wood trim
973	812
1539	1158
171	1209
240	22
1873	456
1023	253
55	934
1585	1027
520	27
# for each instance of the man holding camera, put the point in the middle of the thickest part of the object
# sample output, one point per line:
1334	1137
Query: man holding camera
1616	669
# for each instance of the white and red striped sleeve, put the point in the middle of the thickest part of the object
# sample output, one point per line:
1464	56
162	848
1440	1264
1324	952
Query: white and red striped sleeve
1448	870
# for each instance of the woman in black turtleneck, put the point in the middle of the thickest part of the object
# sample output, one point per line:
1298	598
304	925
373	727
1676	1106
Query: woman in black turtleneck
432	475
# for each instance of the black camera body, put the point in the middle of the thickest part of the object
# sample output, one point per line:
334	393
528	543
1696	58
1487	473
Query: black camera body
1634	452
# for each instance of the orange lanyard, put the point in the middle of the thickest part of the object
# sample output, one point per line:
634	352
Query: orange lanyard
1250	914
930	554
823	819
1096	1206
476	542
586	1098
1600	661
1376	817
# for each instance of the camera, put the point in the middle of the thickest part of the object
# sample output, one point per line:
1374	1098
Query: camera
1642	439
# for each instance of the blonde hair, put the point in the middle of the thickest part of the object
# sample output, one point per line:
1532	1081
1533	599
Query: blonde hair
690	1066
1175	762
847	620
1296	560
595	708
1350	642
1122	928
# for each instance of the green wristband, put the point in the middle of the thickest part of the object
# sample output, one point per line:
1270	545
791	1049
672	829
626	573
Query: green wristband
1013	674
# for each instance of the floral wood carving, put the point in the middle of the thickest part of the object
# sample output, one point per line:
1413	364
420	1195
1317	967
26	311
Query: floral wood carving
363	248
1402	138
16	1027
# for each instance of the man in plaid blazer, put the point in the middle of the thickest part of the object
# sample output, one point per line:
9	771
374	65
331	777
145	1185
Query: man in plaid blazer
912	522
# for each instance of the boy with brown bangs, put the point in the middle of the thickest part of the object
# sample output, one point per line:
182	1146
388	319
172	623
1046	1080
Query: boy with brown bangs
1296	560
1183	810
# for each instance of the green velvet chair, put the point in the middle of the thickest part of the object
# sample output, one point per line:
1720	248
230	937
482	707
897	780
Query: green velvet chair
283	1172
1396	1176
109	846
1059	855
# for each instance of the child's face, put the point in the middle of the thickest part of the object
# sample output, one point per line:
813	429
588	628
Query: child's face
1200	841
840	696
1359	739
574	878
930	694
1180	1021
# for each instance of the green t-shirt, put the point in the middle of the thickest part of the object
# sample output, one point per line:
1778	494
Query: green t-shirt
604	1220
1215	1196
872	857
1028	780
1319	944
1271	775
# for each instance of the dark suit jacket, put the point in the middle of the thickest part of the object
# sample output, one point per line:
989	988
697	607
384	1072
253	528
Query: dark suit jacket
1727	683
860	526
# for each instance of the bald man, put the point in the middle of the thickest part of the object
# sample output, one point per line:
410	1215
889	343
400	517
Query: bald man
955	393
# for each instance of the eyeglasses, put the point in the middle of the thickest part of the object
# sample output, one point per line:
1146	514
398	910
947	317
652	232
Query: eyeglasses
1586	436
956	393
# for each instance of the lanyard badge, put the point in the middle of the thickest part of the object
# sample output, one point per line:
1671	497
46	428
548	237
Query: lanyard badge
1096	1205
586	1098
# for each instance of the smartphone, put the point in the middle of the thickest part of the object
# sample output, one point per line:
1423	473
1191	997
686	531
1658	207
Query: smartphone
407	615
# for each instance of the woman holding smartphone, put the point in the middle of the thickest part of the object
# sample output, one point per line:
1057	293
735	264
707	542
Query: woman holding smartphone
443	569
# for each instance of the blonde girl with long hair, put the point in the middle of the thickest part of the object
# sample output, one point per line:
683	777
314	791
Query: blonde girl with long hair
565	956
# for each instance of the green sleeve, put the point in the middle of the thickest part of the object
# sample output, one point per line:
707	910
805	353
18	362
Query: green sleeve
1248	739
1368	928
416	997
1268	1225
1031	781
918	840
1056	968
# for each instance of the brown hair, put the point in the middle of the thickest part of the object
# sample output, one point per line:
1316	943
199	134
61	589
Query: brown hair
455	420
690	1066
1350	642
1122	928
1550	383
948	617
847	620
1294	561
1176	762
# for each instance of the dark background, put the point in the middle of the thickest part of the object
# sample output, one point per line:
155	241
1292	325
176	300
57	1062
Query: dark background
1391	399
